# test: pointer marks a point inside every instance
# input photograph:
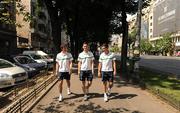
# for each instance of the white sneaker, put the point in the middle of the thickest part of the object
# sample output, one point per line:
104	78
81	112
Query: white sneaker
85	97
109	92
105	97
60	98
68	91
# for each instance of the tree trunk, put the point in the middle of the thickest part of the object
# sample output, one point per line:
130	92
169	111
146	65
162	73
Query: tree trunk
76	31
124	41
56	25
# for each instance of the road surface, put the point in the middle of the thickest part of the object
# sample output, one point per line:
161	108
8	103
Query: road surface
162	63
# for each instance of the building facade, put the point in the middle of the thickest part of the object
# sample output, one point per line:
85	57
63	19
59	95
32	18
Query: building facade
36	33
8	41
166	19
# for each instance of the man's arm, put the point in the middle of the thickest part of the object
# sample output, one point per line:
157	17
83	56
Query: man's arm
70	65
92	64
57	68
79	67
99	69
114	67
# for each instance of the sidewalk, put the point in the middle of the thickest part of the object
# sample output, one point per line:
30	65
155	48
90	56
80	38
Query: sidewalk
124	99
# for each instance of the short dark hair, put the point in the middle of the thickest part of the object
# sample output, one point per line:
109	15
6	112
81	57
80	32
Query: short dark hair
85	43
63	46
105	45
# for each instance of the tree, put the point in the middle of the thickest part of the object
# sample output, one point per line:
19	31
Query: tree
7	15
145	46
96	20
115	49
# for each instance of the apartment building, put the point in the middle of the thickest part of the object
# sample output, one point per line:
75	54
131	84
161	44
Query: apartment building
8	41
144	23
33	34
166	19
37	33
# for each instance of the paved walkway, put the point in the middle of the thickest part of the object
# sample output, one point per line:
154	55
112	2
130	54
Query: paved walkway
124	99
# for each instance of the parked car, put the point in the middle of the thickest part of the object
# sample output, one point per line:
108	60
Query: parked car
38	52
31	66
37	58
10	74
41	59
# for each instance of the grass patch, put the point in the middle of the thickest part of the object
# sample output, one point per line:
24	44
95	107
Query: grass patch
167	85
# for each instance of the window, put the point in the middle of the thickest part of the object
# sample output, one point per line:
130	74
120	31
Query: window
150	30
151	17
151	24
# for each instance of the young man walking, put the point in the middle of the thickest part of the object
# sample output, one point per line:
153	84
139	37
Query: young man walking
86	69
107	69
64	69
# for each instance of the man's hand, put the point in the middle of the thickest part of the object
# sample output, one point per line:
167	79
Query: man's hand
99	74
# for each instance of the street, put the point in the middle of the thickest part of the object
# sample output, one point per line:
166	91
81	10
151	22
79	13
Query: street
165	64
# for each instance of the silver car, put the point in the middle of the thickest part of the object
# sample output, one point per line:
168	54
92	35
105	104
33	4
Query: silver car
11	74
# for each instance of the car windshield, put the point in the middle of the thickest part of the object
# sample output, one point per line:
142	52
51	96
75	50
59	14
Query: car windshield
47	57
5	64
36	57
24	60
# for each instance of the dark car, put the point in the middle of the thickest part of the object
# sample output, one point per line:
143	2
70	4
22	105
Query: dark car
32	67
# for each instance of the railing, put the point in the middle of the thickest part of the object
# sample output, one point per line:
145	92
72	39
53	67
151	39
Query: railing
20	104
28	84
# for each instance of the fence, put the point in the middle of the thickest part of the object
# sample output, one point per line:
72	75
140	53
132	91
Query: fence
20	104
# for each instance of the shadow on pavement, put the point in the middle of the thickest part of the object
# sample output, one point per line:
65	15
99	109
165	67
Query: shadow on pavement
84	108
122	96
52	108
92	108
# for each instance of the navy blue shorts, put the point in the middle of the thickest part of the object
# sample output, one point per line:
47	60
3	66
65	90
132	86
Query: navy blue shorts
64	75
107	76
86	75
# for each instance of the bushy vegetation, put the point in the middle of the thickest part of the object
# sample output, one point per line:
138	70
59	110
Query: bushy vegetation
161	82
115	49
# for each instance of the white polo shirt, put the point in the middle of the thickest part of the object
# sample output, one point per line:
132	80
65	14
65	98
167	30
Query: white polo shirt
63	59
106	60
86	59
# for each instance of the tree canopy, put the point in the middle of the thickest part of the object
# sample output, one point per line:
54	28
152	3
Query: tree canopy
90	20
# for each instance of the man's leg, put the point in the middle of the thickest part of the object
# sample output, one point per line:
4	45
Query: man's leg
84	87
110	85
68	87
68	76
105	91
84	90
89	83
60	90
